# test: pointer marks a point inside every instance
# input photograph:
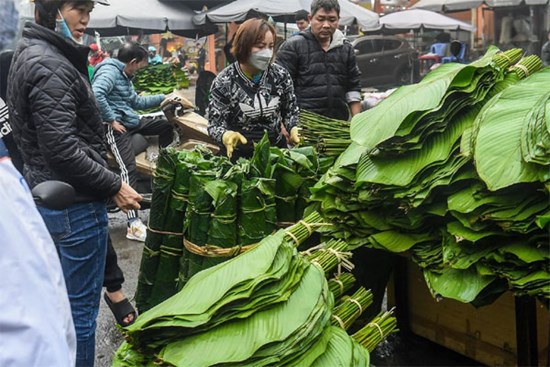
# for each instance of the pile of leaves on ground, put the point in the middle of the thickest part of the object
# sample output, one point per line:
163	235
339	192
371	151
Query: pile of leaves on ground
269	306
206	210
455	171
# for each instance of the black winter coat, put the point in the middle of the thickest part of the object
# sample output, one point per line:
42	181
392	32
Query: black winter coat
322	79
54	115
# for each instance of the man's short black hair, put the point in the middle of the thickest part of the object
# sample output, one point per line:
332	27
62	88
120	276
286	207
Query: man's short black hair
326	5
132	50
301	15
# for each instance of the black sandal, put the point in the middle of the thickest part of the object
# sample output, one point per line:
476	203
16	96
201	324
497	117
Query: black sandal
121	310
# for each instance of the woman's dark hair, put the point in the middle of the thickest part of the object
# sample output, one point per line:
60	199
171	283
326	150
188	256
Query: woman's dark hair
250	33
47	10
132	50
326	5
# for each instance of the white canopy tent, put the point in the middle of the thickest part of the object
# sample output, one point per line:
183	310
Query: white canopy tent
416	19
283	10
151	16
458	5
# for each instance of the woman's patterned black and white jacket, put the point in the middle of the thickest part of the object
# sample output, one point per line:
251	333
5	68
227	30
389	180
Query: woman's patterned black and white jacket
238	104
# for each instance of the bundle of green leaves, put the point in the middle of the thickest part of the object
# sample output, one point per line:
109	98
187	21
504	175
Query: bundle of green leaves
453	170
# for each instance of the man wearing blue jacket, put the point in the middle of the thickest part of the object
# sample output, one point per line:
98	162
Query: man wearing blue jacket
118	102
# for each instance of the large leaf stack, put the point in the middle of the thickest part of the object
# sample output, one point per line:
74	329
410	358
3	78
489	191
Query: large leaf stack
269	306
162	78
207	210
461	190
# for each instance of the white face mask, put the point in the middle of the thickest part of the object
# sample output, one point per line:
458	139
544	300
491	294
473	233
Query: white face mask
261	59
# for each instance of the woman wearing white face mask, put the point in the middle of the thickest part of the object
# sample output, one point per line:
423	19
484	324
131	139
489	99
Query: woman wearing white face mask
252	96
59	131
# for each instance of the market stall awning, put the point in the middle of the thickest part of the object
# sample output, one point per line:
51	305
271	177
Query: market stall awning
151	16
422	19
199	4
284	10
458	5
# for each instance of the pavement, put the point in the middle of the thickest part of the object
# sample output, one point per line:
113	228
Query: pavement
108	337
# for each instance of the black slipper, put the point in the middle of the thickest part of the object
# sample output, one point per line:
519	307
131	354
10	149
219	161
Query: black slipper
121	310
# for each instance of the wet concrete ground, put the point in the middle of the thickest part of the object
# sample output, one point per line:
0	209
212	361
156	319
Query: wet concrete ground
108	337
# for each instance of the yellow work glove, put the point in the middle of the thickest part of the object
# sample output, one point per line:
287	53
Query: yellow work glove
231	139
294	135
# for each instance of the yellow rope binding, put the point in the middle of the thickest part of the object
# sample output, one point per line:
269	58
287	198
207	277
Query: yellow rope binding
341	284
371	324
339	320
215	251
356	302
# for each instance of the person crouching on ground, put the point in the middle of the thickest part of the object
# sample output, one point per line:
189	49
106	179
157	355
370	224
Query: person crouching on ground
252	95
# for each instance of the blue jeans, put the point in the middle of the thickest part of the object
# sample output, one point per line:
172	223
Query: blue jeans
80	235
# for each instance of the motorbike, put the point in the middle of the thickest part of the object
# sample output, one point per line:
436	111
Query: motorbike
190	130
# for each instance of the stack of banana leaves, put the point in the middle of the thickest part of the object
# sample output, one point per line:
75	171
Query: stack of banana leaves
161	79
269	306
206	210
455	171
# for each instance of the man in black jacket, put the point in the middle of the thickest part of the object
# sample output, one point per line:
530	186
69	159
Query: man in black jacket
326	80
322	64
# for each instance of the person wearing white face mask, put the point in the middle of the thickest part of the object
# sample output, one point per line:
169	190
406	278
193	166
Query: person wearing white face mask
252	96
59	131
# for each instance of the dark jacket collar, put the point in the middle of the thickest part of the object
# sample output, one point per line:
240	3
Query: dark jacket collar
338	39
75	53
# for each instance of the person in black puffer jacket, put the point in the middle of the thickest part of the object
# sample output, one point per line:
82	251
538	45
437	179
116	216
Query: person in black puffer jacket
322	64
58	129
326	78
252	96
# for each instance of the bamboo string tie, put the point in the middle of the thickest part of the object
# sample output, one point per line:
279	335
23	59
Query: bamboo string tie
215	251
340	322
307	225
341	284
162	232
294	238
314	262
523	68
310	250
357	303
506	57
343	261
371	324
150	251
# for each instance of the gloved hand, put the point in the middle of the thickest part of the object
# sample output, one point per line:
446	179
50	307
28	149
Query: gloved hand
294	135
231	139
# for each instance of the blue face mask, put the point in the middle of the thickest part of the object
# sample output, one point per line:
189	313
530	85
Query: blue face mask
62	28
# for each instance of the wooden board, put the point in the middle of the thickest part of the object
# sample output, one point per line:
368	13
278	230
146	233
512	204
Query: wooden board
486	334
